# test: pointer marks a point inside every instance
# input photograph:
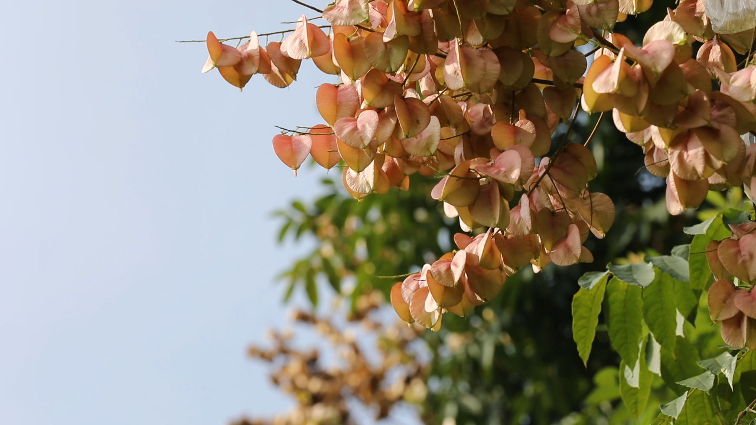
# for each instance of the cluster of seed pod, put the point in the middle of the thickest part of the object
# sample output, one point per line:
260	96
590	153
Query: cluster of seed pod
734	306
662	98
474	91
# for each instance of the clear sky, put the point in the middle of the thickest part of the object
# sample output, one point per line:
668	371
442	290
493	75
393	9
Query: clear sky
136	244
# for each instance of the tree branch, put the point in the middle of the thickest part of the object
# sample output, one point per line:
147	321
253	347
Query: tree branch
558	151
604	42
746	410
246	36
307	6
595	129
551	83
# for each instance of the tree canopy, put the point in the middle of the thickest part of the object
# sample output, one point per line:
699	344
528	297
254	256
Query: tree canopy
561	263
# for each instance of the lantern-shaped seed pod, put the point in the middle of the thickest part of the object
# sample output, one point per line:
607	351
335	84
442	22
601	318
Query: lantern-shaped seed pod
731	16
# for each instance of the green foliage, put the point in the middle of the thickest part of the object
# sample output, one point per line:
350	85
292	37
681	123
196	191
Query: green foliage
586	306
625	320
638	274
659	311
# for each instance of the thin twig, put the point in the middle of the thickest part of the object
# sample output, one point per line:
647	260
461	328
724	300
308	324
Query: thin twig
320	11
595	129
512	111
606	43
410	71
564	204
559	149
301	132
653	163
551	83
246	36
702	252
307	6
458	135
308	19
746	410
587	54
396	276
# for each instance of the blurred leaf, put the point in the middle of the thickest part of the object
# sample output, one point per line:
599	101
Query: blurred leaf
289	291
716	199
284	229
330	273
311	287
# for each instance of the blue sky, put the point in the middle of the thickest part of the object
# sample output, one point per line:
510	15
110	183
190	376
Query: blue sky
136	244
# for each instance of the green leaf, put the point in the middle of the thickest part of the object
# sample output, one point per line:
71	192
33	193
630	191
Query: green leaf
729	400
289	291
700	228
659	310
681	251
716	199
330	272
685	299
590	279
634	396
638	274
745	375
703	382
586	306
299	206
311	287
284	229
674	407
673	266
653	355
662	419
723	363
606	388
679	364
698	410
718	230
624	319
734	217
714	227
698	267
